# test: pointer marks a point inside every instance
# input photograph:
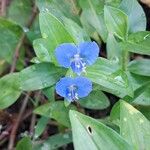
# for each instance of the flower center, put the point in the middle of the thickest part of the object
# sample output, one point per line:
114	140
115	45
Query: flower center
72	93
78	65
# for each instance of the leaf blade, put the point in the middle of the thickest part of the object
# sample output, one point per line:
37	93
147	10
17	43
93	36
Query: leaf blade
140	67
40	76
134	126
9	90
136	15
97	135
116	21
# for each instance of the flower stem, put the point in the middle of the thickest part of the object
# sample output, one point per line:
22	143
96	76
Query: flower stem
125	59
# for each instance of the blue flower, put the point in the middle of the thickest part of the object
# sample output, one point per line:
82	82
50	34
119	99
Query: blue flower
77	57
73	88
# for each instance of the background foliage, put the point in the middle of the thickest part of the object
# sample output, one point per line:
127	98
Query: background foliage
116	113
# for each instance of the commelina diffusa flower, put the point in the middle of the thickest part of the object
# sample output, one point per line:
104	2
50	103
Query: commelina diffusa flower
77	57
73	88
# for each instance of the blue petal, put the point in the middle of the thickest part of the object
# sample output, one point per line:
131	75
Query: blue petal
89	51
62	85
64	53
84	86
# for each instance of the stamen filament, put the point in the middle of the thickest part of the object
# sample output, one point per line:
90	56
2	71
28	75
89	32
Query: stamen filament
71	93
79	64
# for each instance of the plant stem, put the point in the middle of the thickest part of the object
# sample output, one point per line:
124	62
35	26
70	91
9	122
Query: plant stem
3	7
17	122
125	59
21	41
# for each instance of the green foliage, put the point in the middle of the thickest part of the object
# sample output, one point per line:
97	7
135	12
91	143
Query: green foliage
10	32
20	7
40	126
113	48
134	127
42	50
95	100
95	133
77	32
69	8
138	42
55	141
51	28
24	144
139	67
121	24
142	95
110	78
10	90
40	76
136	15
53	33
50	93
93	12
116	22
57	111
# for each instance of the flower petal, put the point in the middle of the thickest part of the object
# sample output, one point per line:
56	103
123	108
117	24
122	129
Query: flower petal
84	86
62	85
64	53
89	51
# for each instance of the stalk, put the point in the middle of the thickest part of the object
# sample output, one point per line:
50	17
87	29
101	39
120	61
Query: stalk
125	59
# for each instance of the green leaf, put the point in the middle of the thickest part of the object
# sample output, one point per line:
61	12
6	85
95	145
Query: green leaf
20	64
111	79
136	15
57	111
140	86
9	32
97	135
143	97
114	3
77	32
9	90
90	30
108	122
18	7
96	100
116	21
138	42
115	114
3	65
50	93
134	127
54	32
43	110
35	60
70	20
67	19
60	8
34	31
40	126
40	76
137	81
42	50
140	67
55	141
93	14
53	29
113	48
24	144
144	110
